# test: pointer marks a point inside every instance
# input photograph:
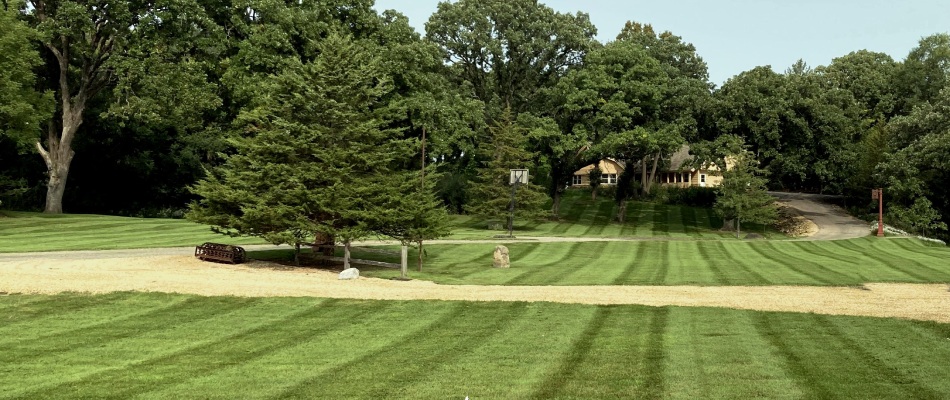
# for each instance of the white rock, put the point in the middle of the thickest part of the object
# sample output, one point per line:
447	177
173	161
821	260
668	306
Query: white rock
350	273
501	259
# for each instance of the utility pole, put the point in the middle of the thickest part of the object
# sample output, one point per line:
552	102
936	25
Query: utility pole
878	194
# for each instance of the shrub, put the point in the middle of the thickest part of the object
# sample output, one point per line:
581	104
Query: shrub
693	196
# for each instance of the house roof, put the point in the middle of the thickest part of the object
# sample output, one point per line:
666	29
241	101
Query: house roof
679	158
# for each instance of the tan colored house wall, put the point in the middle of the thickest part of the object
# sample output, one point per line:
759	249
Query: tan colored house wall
606	167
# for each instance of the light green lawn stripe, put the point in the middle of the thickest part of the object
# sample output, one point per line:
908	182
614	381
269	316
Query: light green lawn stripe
740	255
805	266
684	265
633	263
588	265
717	353
649	264
712	259
918	247
103	350
889	262
780	267
840	264
274	372
901	365
98	313
440	341
885	376
242	347
512	363
50	306
543	273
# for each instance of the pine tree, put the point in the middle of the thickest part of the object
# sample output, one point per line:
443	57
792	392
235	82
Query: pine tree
315	156
743	196
491	193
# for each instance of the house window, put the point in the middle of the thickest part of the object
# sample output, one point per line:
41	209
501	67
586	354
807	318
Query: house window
702	178
577	180
608	179
686	177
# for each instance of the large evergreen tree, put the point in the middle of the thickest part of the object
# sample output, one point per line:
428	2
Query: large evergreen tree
316	156
503	151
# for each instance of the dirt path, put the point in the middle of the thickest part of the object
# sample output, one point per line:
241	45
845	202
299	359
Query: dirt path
184	274
833	222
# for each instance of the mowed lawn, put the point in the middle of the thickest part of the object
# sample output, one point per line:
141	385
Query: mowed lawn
25	232
151	345
687	262
582	217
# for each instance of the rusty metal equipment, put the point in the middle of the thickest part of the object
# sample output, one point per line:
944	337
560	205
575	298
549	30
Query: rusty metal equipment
220	252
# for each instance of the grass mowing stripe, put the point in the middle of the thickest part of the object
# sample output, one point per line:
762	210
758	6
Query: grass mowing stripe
40	309
550	269
632	265
880	368
435	343
236	349
663	250
579	351
917	247
835	263
887	262
790	263
749	270
718	273
58	324
654	356
800	368
660	225
161	317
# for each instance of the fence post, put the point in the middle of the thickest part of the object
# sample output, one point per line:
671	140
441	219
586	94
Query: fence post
404	266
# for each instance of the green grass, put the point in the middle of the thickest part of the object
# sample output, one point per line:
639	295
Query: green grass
149	345
685	262
582	217
25	232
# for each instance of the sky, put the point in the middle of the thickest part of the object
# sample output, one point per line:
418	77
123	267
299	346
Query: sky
733	36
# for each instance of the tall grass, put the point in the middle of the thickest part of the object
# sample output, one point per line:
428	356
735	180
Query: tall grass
148	345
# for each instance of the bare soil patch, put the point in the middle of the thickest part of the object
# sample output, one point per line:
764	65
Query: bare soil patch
184	274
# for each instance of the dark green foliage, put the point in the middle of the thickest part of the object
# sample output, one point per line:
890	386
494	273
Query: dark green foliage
693	196
316	156
503	151
743	196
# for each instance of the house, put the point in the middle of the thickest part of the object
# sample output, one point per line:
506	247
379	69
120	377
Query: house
677	173
610	170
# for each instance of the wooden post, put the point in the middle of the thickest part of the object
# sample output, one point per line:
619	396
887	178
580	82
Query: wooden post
346	254
404	264
880	212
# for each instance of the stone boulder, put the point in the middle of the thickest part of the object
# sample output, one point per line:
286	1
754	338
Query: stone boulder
349	274
501	259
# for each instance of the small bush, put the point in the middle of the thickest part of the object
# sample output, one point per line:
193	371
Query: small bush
693	196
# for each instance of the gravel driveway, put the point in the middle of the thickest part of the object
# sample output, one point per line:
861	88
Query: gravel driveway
833	222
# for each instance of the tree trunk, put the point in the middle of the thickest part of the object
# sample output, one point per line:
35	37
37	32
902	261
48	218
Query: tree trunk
420	255
593	193
648	185
556	203
59	156
622	212
643	177
346	255
738	227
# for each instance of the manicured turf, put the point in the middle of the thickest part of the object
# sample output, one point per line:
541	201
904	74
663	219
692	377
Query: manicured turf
175	346
24	232
685	262
582	217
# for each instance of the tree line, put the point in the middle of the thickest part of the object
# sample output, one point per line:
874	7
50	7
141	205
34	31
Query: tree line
242	109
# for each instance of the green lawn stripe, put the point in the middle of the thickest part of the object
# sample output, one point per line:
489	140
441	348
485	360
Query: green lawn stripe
95	335
77	320
799	367
731	254
588	263
632	265
712	263
655	355
439	341
579	351
53	306
248	345
819	251
887	261
790	261
662	262
917	247
905	384
548	271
